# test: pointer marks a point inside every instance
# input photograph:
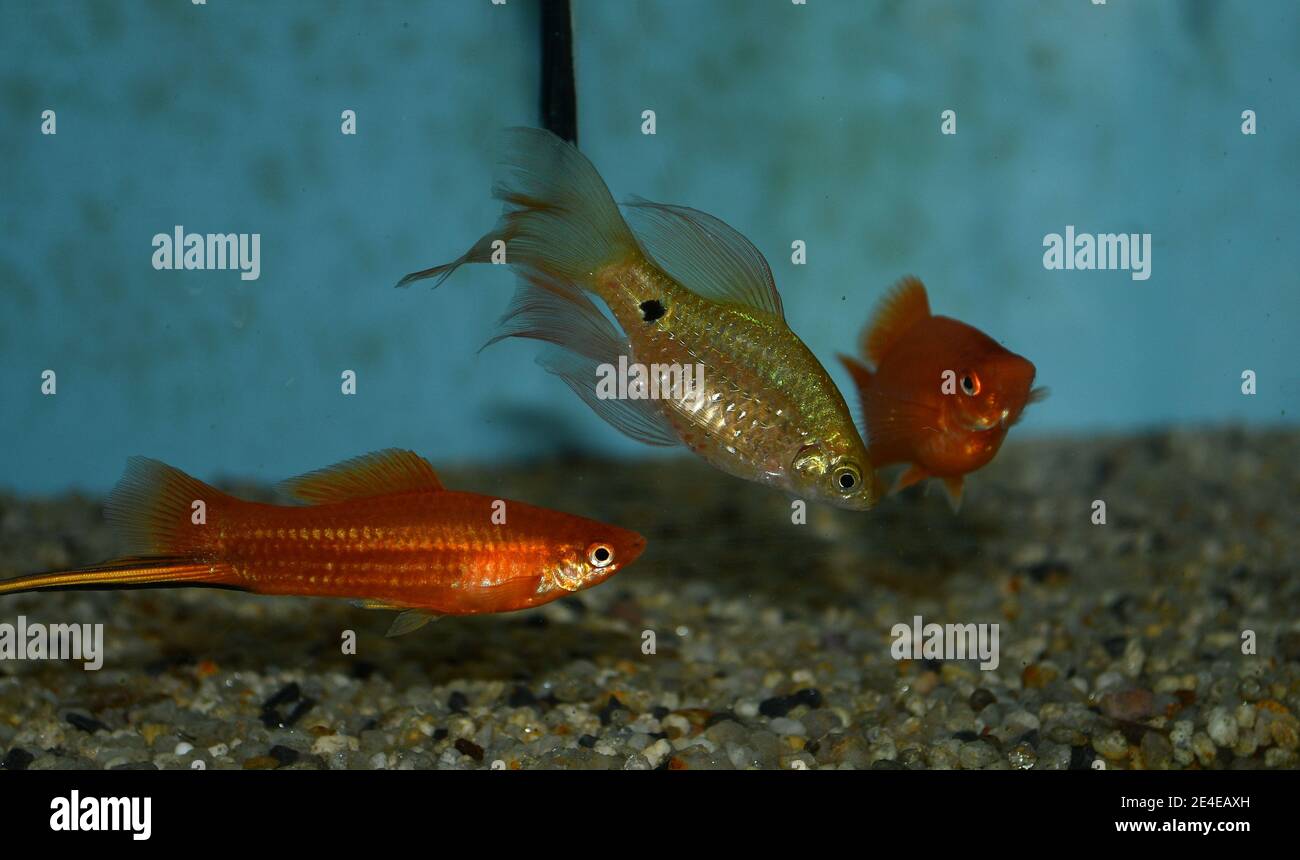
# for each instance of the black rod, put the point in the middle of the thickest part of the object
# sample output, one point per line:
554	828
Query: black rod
559	92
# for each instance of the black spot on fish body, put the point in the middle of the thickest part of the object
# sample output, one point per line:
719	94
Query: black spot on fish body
652	309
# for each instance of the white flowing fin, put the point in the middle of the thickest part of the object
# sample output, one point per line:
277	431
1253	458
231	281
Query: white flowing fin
559	217
637	418
561	313
705	255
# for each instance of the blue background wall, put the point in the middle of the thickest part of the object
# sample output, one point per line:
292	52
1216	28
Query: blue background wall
816	122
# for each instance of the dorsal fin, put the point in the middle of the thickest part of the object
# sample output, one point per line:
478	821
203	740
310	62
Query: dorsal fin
152	506
389	471
705	255
904	306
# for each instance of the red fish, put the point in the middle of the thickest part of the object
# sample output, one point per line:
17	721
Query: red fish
938	395
379	529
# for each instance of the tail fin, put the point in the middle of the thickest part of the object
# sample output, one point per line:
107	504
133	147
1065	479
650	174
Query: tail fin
560	220
155	509
155	572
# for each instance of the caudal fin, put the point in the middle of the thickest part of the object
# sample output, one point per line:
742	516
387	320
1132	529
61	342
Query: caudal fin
136	572
169	522
560	220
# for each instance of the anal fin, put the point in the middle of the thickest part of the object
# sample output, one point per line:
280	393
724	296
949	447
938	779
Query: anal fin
410	620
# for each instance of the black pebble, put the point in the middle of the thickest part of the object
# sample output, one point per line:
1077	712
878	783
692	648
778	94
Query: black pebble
981	699
298	711
290	692
17	759
808	696
779	706
361	670
86	724
966	735
457	702
587	741
607	712
1081	757
286	694
439	734
284	755
157	667
1041	571
522	697
721	716
1114	646
660	712
469	748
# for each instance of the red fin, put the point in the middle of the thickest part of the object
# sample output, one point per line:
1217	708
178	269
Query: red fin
379	474
913	474
861	375
862	381
904	306
152	508
125	573
954	488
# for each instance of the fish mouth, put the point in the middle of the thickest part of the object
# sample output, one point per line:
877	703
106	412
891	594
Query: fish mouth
983	425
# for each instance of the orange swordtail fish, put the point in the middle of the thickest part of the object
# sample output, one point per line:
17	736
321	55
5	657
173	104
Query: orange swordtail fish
378	529
939	395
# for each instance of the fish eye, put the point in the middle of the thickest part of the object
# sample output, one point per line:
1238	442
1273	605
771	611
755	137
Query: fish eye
600	554
847	477
970	383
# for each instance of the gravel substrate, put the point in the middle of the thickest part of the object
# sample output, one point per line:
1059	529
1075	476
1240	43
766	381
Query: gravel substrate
1120	643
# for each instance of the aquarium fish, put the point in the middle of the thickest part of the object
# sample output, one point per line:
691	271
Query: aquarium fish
378	529
938	395
691	297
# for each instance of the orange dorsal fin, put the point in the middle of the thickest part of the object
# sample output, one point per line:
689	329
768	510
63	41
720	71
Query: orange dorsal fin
902	307
154	508
379	474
